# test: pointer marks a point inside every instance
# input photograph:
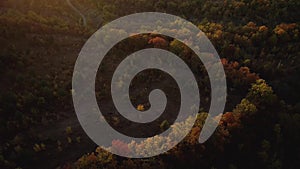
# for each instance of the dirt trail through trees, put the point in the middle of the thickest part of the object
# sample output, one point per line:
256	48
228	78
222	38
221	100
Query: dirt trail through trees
77	11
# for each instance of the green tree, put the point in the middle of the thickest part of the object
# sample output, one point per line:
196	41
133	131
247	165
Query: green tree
261	94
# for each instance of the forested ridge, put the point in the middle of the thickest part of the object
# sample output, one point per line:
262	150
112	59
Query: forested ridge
257	40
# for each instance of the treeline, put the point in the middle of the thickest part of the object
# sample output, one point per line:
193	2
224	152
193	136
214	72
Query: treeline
254	135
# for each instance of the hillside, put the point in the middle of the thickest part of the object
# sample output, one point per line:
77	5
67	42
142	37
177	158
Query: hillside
257	40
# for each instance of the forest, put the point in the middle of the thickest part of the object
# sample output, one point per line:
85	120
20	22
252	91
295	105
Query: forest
258	44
